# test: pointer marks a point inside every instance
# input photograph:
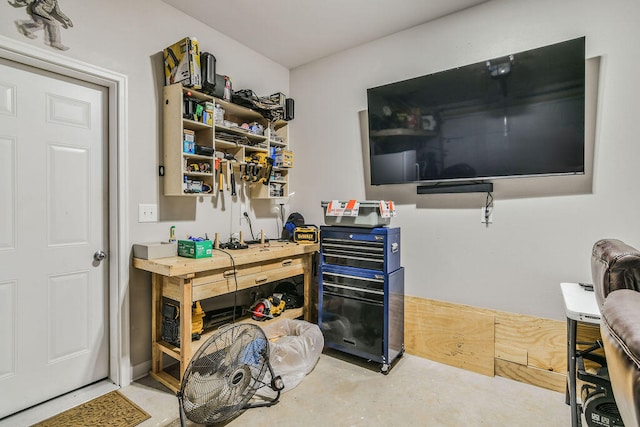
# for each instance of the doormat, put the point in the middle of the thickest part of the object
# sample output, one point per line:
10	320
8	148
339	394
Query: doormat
111	409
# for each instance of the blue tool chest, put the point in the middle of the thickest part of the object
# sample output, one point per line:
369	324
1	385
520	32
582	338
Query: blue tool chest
361	292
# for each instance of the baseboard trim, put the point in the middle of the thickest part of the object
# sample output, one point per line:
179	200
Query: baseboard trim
140	370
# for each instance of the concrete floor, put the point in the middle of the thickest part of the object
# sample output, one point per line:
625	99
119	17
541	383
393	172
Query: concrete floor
346	391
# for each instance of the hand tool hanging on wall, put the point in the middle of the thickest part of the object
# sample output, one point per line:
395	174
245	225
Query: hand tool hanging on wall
233	182
219	172
244	172
249	169
231	178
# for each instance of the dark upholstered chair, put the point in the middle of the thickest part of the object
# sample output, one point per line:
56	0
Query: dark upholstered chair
615	268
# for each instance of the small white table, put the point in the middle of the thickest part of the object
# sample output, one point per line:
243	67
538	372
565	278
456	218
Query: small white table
580	306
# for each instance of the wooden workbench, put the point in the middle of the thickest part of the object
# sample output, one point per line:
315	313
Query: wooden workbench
187	280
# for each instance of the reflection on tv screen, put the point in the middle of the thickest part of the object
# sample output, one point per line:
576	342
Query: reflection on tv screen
518	115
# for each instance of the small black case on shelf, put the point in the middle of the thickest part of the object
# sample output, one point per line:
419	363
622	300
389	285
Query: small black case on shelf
203	150
208	72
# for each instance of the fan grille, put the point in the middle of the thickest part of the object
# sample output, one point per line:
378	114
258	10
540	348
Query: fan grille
224	374
609	408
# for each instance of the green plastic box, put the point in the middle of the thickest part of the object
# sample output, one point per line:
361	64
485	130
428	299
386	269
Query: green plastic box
191	249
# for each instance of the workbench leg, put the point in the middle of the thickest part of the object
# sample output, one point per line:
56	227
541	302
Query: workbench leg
156	322
185	325
307	278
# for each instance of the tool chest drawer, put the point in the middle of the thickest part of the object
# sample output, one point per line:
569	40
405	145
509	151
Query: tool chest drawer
372	249
353	326
363	315
364	286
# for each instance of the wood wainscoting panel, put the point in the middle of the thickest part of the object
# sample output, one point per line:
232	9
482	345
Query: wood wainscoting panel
544	340
530	375
450	334
511	354
524	348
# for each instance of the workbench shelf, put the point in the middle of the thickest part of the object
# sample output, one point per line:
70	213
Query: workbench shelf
174	351
231	142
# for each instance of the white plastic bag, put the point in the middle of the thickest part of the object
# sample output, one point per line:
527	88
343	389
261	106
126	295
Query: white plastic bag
294	349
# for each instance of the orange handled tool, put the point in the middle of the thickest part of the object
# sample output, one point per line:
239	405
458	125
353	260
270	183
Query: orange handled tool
219	171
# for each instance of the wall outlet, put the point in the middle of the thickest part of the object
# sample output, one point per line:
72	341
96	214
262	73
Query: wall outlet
147	213
484	219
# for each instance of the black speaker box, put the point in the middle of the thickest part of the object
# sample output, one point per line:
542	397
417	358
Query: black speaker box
464	187
288	109
208	72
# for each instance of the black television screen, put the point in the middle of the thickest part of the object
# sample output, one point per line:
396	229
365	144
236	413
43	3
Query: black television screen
517	115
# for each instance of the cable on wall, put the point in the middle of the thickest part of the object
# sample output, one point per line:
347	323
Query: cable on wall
246	215
488	208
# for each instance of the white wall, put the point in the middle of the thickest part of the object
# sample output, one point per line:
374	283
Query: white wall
514	265
128	37
538	239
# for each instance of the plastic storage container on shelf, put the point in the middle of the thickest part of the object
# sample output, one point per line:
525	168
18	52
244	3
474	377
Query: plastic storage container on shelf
369	213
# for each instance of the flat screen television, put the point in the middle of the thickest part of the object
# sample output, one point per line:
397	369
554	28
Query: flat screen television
515	116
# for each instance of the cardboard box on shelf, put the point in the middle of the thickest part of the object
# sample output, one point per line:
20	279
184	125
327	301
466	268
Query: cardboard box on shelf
189	138
182	63
284	159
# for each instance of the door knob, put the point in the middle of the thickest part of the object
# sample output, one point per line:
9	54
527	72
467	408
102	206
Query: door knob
99	256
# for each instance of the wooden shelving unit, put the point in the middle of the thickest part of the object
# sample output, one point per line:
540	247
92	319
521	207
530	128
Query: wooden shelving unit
216	137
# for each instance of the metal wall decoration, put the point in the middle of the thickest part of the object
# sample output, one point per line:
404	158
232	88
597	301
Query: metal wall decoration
44	15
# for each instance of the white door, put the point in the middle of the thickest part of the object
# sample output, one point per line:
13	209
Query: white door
53	200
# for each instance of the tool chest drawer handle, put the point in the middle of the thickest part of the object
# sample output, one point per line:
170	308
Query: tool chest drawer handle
260	279
287	262
354	288
230	273
376	278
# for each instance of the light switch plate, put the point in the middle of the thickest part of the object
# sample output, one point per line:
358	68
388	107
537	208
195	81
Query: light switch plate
147	213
